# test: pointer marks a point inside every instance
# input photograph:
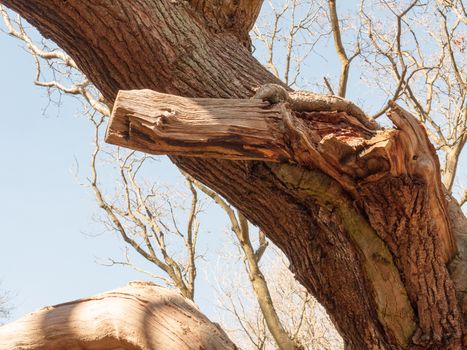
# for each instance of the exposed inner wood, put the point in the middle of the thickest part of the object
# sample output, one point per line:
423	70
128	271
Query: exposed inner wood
208	128
140	316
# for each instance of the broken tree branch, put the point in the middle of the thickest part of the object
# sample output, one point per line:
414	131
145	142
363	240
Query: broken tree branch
373	168
138	316
327	136
220	128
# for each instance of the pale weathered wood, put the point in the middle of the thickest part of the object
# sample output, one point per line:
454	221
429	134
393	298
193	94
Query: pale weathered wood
136	317
158	123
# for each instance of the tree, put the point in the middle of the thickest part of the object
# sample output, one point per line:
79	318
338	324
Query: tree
326	215
144	216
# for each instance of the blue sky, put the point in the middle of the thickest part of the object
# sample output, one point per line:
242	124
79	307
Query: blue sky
44	256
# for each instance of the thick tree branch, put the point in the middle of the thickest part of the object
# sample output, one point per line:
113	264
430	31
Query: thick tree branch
168	124
139	316
251	129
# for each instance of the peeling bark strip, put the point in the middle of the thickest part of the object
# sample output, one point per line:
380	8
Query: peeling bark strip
140	316
172	47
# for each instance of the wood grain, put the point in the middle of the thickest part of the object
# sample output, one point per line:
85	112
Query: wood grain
139	316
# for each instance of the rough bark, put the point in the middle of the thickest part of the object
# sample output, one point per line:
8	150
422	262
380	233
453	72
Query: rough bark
458	266
328	222
237	17
140	316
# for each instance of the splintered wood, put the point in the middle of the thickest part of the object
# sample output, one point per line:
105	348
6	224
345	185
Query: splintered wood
349	150
217	128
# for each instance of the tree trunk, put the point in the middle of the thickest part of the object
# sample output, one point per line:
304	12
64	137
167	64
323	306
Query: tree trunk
140	316
368	235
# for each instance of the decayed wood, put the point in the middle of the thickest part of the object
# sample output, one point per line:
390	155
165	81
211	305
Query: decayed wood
166	124
340	144
136	317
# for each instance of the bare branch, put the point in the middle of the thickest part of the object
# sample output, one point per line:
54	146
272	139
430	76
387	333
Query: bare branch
345	62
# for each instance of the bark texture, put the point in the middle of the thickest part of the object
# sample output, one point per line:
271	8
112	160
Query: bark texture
140	316
326	212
